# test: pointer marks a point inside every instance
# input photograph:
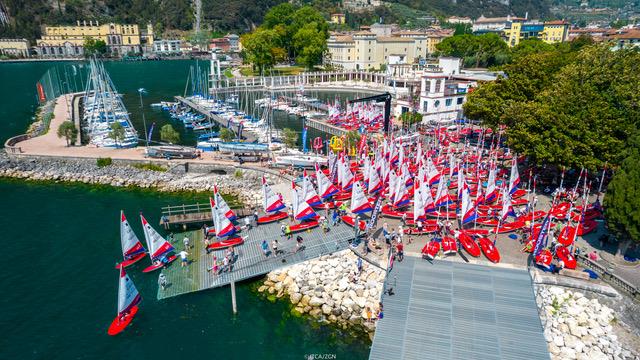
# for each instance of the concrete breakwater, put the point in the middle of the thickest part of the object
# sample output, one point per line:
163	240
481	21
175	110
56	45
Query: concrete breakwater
330	288
577	327
244	183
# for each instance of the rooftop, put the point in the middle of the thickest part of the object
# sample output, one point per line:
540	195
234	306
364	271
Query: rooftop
450	310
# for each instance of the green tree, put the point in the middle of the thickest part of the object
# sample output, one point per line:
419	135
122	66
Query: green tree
352	138
68	131
310	44
564	107
169	134
94	47
262	49
476	50
117	132
227	134
410	117
290	137
530	46
622	208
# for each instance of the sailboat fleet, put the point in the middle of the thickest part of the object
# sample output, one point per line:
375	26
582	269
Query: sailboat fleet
103	107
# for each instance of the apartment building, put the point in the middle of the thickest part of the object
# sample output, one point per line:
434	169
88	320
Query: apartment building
515	29
14	47
68	41
365	49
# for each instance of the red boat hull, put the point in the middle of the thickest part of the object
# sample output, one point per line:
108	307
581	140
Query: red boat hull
277	216
470	246
477	231
489	250
332	205
117	325
431	249
226	243
510	227
351	222
152	267
132	261
303	226
565	255
449	246
425	230
342	196
544	258
387	211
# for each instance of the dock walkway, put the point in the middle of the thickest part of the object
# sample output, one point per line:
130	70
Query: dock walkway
251	262
449	310
245	134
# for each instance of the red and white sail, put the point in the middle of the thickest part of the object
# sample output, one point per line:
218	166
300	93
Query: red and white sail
301	210
128	295
492	192
433	175
359	202
270	200
325	186
400	195
427	198
224	227
442	195
514	179
346	176
375	184
309	192
157	245
468	210
393	181
418	204
222	204
131	246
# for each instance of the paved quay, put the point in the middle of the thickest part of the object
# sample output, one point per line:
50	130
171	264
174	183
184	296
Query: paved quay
450	310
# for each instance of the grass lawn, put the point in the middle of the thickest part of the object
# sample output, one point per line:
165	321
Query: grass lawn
278	70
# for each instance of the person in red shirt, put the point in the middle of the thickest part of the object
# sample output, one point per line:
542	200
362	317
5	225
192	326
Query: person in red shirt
400	249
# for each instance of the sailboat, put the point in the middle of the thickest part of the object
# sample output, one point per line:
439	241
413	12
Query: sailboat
325	186
271	204
128	300
132	249
301	212
223	229
222	204
159	248
309	192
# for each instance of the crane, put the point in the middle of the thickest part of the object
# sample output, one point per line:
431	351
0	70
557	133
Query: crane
386	97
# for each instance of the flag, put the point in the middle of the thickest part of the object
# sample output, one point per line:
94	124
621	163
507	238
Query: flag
374	216
304	139
542	235
150	132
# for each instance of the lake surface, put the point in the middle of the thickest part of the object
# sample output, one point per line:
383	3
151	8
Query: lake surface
61	242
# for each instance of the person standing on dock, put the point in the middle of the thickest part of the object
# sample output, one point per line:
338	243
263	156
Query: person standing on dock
265	248
162	281
214	267
274	246
225	265
185	241
207	242
183	255
298	243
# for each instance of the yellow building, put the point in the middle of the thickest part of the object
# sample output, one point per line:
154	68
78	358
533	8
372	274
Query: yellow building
555	31
367	50
68	41
337	18
14	47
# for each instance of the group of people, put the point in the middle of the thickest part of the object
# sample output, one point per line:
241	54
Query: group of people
226	265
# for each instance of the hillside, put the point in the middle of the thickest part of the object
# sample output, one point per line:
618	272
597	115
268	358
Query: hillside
475	8
27	16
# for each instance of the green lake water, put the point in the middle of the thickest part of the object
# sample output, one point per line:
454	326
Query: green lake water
59	285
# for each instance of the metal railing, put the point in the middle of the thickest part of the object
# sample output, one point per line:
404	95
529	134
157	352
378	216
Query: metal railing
609	277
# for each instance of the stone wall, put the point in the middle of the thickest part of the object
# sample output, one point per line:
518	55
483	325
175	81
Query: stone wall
322	288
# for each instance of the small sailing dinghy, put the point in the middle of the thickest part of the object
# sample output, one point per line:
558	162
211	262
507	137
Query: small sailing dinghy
223	228
128	300
159	248
431	249
302	212
222	204
271	204
489	249
132	249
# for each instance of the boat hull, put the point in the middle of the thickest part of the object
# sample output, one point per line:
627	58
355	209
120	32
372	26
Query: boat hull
303	226
277	216
159	266
131	261
226	243
117	325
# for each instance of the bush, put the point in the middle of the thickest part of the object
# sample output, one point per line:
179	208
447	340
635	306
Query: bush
238	174
150	167
102	162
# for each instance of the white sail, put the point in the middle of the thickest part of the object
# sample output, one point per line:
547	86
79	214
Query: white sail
359	202
270	200
156	243
418	204
128	295
301	209
130	243
309	192
222	204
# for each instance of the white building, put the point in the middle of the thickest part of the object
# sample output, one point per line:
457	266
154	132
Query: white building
459	20
166	47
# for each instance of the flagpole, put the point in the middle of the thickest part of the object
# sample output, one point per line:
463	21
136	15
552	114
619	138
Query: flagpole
144	121
604	170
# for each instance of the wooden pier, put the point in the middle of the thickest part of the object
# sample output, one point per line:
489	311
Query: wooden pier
192	214
251	262
325	127
451	310
246	135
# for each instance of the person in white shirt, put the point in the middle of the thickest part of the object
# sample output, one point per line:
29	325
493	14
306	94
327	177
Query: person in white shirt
183	255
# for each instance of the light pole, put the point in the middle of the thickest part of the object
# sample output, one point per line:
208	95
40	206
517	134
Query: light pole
144	121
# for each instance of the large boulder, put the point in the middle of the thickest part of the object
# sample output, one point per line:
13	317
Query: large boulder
295	298
316	301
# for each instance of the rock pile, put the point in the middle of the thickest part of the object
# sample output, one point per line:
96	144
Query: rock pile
245	185
322	289
576	327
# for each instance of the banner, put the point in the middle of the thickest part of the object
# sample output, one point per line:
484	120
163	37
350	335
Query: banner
150	132
304	140
542	236
374	215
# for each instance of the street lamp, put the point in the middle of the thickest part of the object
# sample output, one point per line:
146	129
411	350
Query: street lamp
142	91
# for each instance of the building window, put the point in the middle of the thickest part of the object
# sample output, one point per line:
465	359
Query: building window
129	40
425	106
348	57
436	103
459	101
447	102
369	58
